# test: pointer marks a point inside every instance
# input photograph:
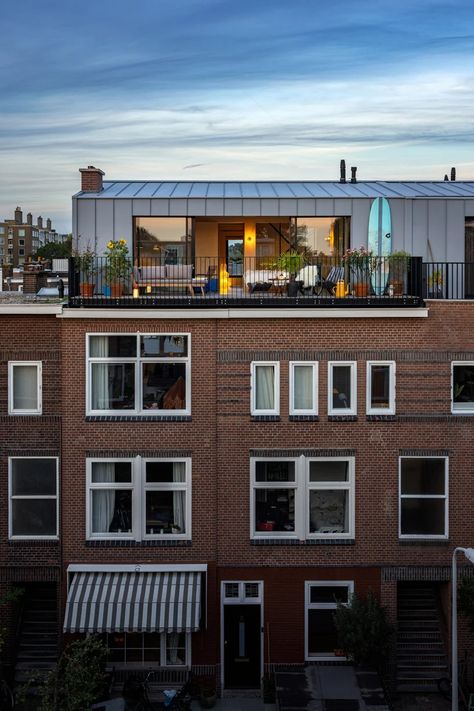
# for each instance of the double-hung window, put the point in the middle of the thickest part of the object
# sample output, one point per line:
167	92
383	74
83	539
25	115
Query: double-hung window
141	374
166	649
321	599
380	387
302	497
33	495
423	497
462	398
139	498
24	388
342	388
265	388
303	388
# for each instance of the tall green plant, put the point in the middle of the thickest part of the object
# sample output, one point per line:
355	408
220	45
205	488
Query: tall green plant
363	630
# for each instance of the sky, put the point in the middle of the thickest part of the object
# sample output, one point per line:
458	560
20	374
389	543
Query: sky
230	90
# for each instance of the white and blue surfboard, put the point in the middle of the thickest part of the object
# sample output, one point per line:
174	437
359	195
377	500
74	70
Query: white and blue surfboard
380	242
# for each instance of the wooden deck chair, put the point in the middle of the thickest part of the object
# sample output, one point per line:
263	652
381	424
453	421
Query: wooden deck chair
329	283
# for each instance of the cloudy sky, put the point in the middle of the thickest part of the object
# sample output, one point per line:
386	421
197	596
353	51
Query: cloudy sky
230	89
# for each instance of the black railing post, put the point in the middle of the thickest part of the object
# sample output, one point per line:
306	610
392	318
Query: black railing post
72	279
415	277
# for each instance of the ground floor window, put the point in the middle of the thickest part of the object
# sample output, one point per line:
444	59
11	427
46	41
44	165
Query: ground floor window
167	649
321	599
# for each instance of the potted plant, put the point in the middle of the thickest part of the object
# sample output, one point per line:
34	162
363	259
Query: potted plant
399	265
361	264
289	264
118	266
435	284
86	266
207	692
268	692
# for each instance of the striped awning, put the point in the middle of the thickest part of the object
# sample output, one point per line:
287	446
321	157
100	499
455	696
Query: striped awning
133	602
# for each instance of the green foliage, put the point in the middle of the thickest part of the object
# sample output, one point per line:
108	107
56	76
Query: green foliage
290	262
118	263
86	263
79	678
363	630
55	250
466	600
10	597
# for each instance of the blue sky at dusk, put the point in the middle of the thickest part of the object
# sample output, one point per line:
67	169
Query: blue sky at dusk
212	89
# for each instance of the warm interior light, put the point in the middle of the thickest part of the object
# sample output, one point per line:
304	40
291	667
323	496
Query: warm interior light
250	232
148	289
135	292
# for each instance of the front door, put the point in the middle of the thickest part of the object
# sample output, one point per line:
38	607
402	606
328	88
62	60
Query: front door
231	251
242	636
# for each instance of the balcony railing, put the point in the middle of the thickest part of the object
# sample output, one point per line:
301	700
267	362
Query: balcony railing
252	281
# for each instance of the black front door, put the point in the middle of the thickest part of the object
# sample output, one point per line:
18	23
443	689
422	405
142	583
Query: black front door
242	646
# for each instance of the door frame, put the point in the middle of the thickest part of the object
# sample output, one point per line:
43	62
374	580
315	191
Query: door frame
241	600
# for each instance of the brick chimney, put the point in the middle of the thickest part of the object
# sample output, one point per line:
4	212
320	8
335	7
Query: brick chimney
29	219
40	222
91	179
19	216
48	224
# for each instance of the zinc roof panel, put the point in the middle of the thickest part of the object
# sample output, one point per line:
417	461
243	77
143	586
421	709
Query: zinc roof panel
249	190
216	190
199	190
182	190
165	190
232	190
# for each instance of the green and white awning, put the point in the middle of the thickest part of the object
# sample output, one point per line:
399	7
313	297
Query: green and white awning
124	601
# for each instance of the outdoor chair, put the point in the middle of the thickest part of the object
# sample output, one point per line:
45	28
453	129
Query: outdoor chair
329	283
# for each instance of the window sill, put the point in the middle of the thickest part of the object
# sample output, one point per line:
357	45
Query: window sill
138	418
274	541
128	543
342	418
330	541
303	418
381	418
424	541
265	418
33	542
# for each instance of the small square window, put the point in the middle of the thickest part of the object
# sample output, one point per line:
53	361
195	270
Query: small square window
380	388
342	388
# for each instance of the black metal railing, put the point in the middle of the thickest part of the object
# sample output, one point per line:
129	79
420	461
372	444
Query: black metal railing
293	279
448	280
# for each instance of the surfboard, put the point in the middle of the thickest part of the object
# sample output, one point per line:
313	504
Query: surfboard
380	242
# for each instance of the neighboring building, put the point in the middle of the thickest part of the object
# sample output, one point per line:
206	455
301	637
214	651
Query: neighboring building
20	240
221	467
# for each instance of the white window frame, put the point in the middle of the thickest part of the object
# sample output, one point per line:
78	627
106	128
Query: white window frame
455	407
353	392
139	488
348	486
12	364
444	496
302	487
253	387
35	497
138	361
308	605
390	410
153	665
303	411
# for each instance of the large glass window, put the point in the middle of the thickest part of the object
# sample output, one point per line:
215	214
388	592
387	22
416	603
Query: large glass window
33	497
331	497
265	388
167	649
317	236
321	600
139	374
342	388
303	388
423	497
463	387
380	387
139	498
24	388
275	486
163	240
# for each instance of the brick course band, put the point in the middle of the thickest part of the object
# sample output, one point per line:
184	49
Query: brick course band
33	574
400	355
304	452
145	453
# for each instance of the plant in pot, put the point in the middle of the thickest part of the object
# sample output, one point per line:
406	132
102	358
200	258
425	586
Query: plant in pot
435	284
361	264
86	267
118	266
289	264
399	266
268	691
207	692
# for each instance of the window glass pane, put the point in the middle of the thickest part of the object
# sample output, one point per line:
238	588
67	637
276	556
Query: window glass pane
113	346
329	470
322	635
163	346
329	593
303	387
232	589
164	472
251	589
111	511
318	236
380	386
265	387
116	472
25	387
162	240
165	512
275	509
164	386
328	511
423	517
176	648
152	644
341	387
423	476
463	385
34	517
32	477
275	471
113	386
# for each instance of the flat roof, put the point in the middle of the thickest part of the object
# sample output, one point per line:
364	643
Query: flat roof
136	189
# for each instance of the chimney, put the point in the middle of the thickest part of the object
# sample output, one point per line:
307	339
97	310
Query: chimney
48	224
91	179
19	216
446	177
40	222
453	173
29	219
353	174
342	179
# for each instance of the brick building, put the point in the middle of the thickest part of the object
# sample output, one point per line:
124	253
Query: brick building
20	240
199	476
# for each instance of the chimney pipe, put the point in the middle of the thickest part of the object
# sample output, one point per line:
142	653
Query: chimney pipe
19	215
342	179
40	222
91	179
29	219
48	224
354	174
453	173
446	176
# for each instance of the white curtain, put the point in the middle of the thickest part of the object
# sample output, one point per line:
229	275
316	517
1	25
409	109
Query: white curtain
25	387
100	373
179	500
265	387
303	387
103	505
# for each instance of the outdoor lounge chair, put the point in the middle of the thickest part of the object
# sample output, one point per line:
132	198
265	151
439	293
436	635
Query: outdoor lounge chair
329	283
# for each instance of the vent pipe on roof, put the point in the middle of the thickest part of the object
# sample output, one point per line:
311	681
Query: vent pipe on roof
453	173
446	176
342	178
354	174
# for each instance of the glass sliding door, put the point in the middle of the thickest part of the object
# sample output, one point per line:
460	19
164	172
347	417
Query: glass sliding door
163	240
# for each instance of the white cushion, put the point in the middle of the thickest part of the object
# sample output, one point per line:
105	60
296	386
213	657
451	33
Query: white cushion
179	271
309	275
154	273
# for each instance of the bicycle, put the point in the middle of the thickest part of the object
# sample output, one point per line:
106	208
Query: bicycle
136	693
7	700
